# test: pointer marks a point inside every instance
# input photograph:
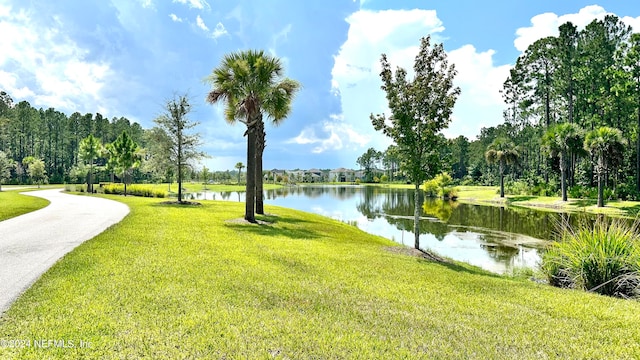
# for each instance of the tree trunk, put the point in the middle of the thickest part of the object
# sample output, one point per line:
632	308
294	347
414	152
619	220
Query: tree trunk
600	185
249	213
501	180
638	150
563	176
261	139
416	216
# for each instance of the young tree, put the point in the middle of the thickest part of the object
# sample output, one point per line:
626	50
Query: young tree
420	109
239	166
563	140
37	171
206	174
503	152
367	162
125	156
250	83
6	164
606	144
157	160
182	146
90	149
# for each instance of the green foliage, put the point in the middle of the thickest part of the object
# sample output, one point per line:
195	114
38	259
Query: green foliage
583	192
6	165
384	178
367	161
180	146
37	171
135	190
440	186
603	257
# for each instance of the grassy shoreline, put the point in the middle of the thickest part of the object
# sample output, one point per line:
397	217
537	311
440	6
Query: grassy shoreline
176	282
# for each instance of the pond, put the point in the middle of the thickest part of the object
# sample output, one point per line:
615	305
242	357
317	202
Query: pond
497	239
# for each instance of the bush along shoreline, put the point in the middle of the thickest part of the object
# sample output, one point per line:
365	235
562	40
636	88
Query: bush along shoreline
603	257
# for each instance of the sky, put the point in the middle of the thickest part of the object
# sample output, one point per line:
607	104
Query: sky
128	57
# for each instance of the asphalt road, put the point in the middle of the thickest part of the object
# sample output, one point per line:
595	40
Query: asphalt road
31	243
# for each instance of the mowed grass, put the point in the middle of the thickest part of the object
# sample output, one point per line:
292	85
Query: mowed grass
173	282
13	204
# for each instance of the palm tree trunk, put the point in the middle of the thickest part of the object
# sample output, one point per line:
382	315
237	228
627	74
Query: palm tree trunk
600	187
563	176
416	216
501	180
261	143
249	213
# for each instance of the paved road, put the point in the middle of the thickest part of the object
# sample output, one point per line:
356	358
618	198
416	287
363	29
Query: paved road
30	244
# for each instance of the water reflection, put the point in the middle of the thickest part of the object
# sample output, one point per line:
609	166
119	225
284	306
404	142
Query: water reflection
494	238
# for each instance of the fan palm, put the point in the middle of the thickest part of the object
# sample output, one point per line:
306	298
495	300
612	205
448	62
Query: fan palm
250	83
563	140
503	152
606	144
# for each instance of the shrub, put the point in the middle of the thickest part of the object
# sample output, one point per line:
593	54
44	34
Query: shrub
628	191
384	178
440	186
602	257
430	188
583	192
134	189
75	187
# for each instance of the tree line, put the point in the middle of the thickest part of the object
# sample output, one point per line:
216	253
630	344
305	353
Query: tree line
571	119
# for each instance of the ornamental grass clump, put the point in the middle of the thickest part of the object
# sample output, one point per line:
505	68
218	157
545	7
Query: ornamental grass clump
602	257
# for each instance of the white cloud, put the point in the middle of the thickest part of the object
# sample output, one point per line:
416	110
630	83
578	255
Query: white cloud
194	4
356	66
397	33
338	136
480	103
175	18
43	64
201	24
547	24
147	4
218	31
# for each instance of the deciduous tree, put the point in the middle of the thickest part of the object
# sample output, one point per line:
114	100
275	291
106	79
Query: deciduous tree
182	147
420	108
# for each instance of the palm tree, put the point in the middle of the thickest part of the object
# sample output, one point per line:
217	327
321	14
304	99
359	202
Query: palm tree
90	149
239	166
250	83
503	152
562	140
606	144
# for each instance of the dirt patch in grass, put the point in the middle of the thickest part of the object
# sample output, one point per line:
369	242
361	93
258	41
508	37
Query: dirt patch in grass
181	203
414	252
246	222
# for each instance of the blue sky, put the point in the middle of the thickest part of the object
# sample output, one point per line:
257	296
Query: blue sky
126	57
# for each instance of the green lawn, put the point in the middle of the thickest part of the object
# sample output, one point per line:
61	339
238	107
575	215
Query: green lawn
12	204
173	282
